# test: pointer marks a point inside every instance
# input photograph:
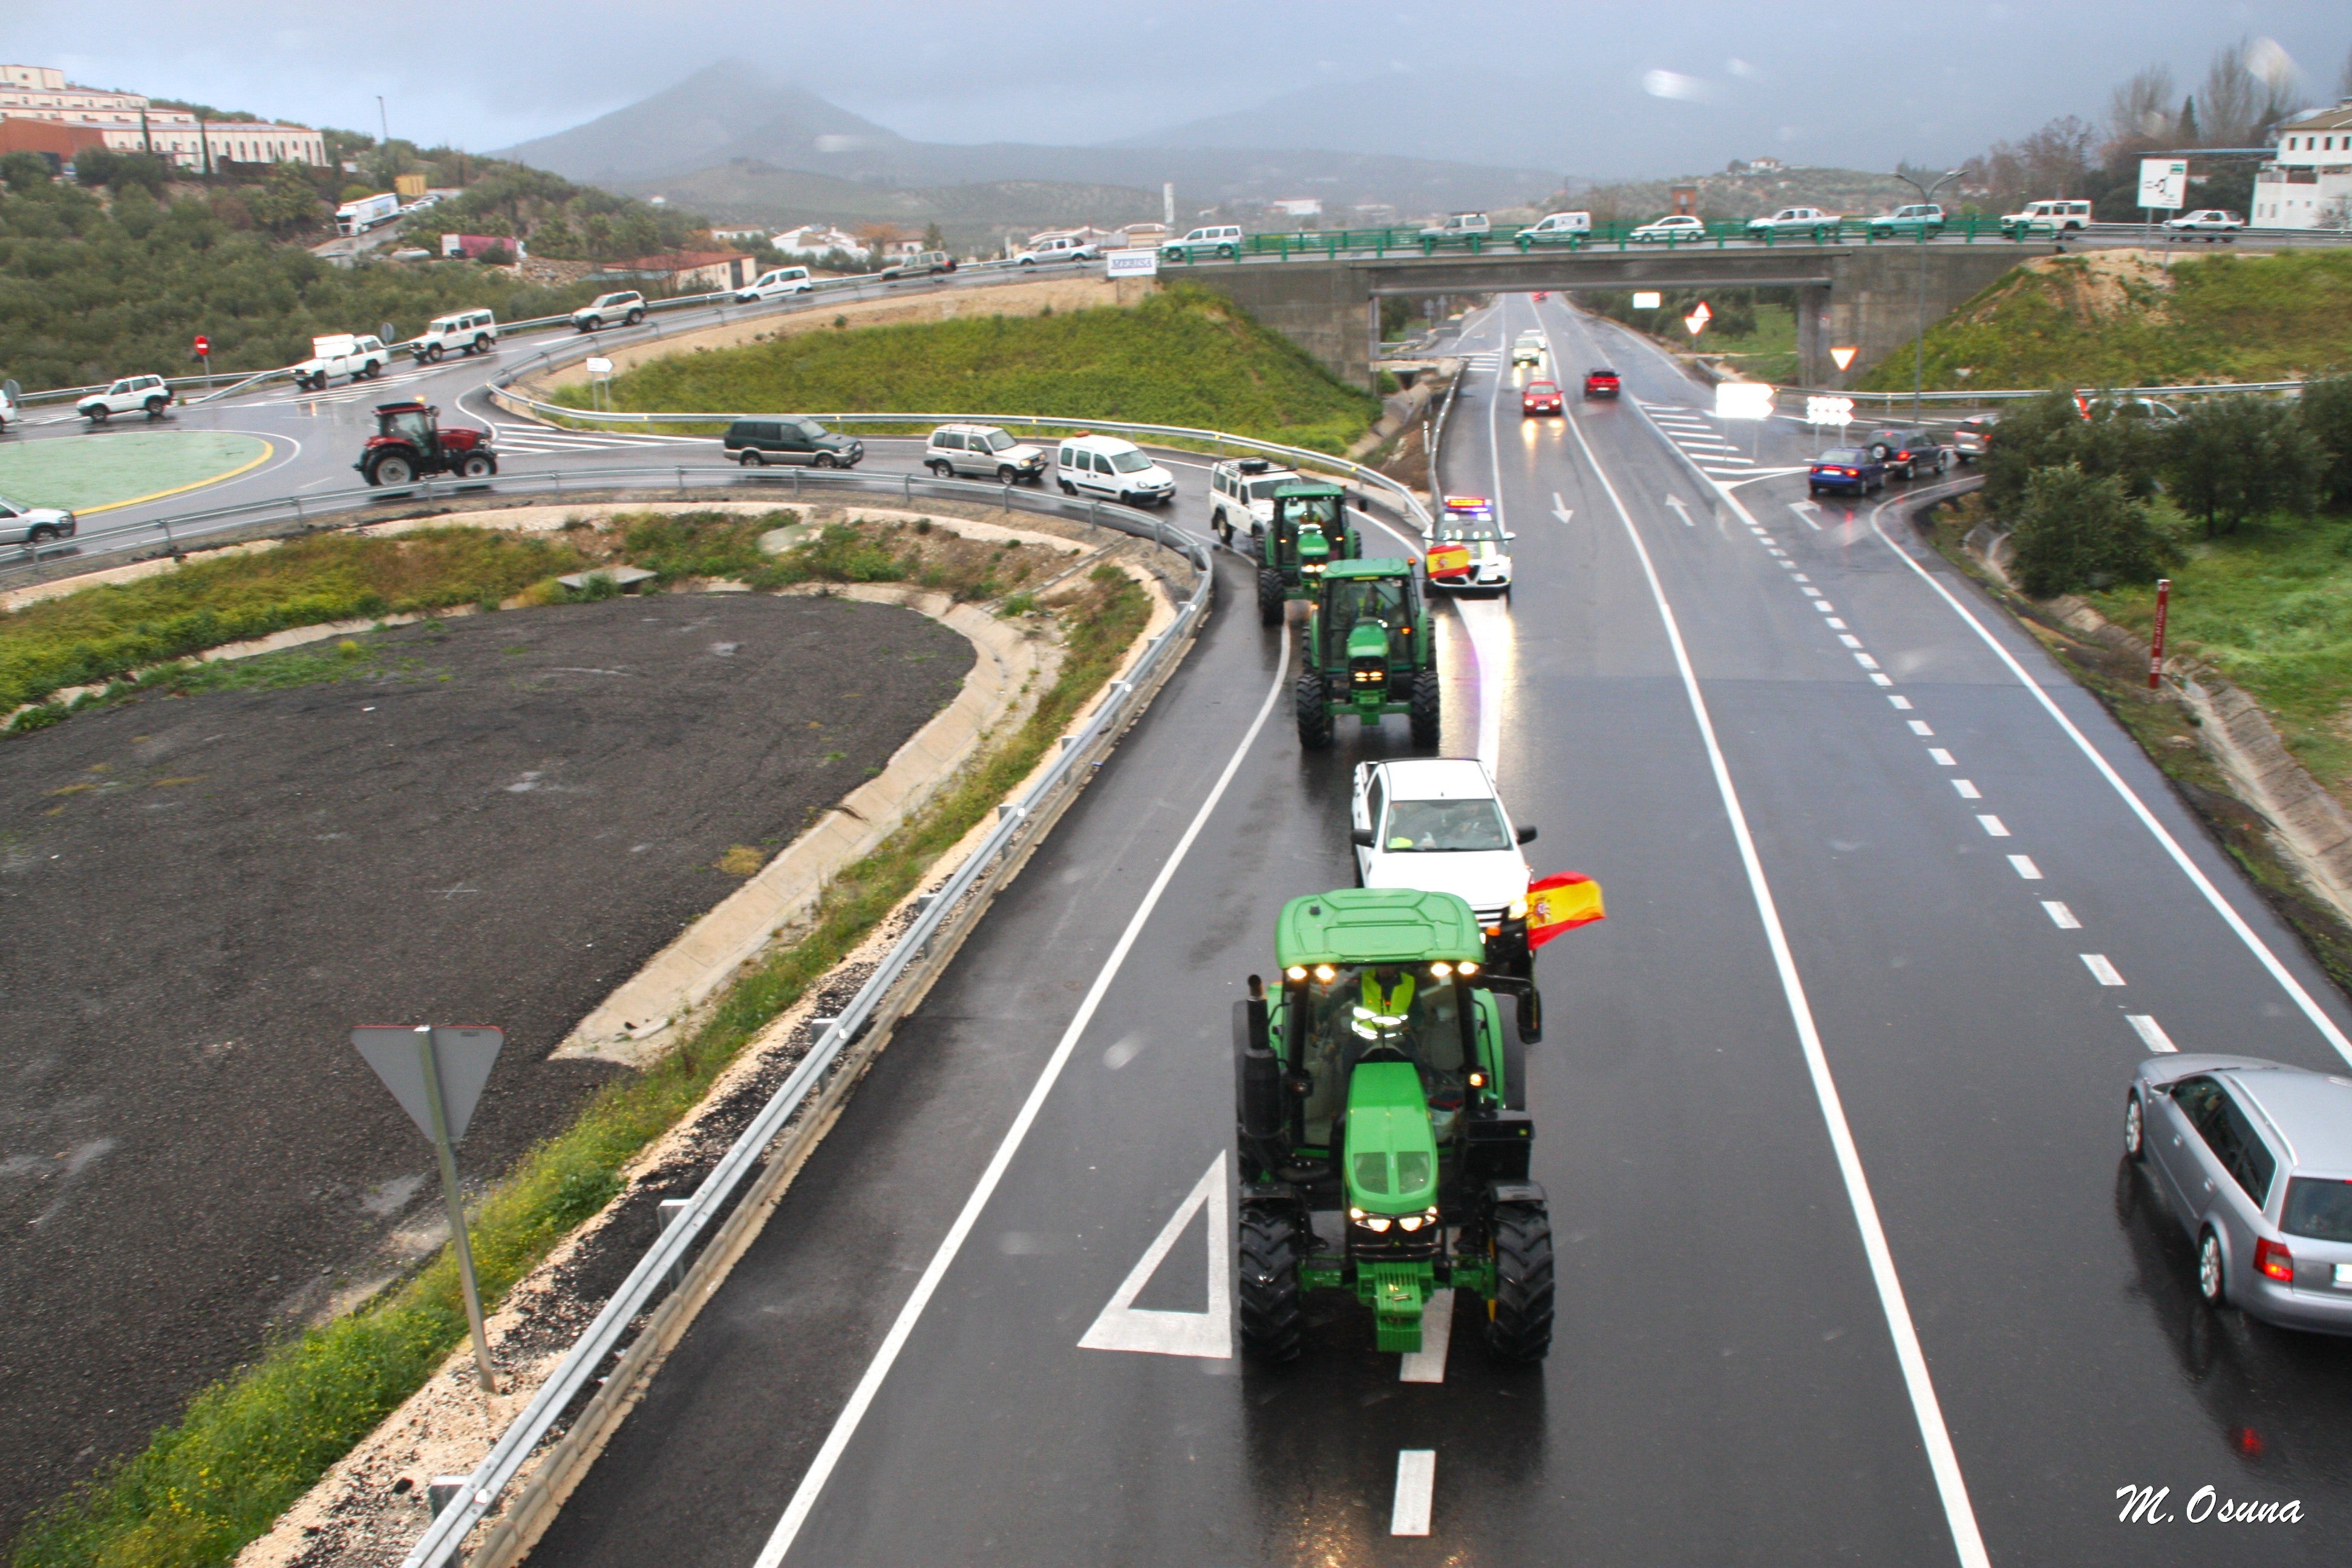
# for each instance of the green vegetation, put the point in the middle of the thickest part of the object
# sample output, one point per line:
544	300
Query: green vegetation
2074	528
2117	320
1755	330
1184	356
252	1443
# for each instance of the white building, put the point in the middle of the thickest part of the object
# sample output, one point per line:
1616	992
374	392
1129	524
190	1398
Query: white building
129	124
740	235
1295	207
816	239
2309	184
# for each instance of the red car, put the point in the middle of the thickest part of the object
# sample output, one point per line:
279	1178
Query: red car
1540	397
1599	383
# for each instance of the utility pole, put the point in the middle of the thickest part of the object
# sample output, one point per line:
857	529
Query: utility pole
1919	343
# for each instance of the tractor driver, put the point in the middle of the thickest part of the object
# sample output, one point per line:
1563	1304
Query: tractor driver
1388	1005
1377	599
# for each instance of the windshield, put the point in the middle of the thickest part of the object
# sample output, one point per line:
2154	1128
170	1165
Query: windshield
1313	511
998	441
1466	528
1840	455
1410	1012
2321	1210
1130	461
1442	827
1352	600
808	427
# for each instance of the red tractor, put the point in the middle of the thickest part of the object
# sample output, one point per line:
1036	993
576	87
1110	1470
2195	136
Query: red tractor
409	441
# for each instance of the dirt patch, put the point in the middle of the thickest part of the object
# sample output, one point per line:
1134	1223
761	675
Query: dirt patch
496	820
2098	284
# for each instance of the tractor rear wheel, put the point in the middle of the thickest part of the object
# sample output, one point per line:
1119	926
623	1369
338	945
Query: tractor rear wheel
1269	596
393	471
1426	697
1273	1322
1519	1328
1314	713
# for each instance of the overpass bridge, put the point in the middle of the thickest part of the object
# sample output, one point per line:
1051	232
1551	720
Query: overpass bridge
1864	295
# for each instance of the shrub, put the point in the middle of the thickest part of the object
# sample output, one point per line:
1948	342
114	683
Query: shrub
2326	412
2049	432
2236	457
2077	531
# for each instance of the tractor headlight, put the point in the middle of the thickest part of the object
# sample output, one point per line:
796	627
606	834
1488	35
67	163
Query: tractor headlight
1518	908
1375	1223
1468	968
1326	974
1440	970
1294	972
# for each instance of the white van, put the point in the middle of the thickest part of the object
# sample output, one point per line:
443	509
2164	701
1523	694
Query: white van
1107	465
1558	228
1459	226
775	283
1217	239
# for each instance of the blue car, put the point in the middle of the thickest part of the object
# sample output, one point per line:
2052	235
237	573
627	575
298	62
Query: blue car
1847	470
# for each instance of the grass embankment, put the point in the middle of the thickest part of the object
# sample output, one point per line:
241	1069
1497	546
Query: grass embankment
254	1443
2120	319
1184	357
1768	352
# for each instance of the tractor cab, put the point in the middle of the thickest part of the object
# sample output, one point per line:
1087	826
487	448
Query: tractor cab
410	422
1308	530
409	441
1368	651
1374	1088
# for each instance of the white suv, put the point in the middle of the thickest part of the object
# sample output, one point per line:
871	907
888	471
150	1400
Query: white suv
983	450
33	526
776	282
1242	489
1217	239
627	307
143	392
1107	465
468	331
1434	824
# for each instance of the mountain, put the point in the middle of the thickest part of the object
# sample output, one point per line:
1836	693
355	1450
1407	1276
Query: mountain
732	111
972	217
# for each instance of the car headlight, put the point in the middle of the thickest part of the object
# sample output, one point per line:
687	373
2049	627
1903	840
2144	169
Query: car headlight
1518	908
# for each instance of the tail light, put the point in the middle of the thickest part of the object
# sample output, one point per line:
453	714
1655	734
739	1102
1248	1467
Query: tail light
2273	1261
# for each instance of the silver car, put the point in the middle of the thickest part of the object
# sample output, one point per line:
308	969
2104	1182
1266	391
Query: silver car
2255	1159
33	525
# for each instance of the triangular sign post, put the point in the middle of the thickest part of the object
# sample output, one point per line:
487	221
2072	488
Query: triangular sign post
1843	357
1124	1326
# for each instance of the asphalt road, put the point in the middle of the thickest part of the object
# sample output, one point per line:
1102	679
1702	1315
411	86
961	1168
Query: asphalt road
1852	1270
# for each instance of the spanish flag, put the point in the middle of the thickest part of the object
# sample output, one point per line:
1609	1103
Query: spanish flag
1561	903
1448	560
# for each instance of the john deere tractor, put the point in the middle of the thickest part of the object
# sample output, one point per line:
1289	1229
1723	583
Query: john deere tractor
1378	1152
1309	530
1367	650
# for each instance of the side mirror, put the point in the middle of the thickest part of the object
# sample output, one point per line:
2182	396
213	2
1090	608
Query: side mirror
1361	838
1526	834
1508	533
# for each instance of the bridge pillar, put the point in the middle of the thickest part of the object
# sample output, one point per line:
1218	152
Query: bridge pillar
1322	308
1876	291
1814	366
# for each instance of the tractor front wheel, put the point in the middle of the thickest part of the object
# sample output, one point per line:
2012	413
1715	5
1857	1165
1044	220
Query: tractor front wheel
477	467
1426	697
1269	596
1314	713
1273	1322
1519	1328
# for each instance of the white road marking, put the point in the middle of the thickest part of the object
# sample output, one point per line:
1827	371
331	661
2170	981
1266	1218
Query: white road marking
1921	726
1123	1326
1865	660
1833	621
1943	1462
2024	867
2151	1033
2060	915
1416	1480
878	1371
1801	577
1878	680
1943	759
1849	639
2107	972
1680	511
1806	512
1902	703
1992	825
2197	878
1967	789
1488	626
1560	508
1814	593
1427	1365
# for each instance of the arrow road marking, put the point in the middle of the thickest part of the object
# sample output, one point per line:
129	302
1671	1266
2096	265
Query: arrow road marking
1680	511
1559	509
1124	1326
1806	512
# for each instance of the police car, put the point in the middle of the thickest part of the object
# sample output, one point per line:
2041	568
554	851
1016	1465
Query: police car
1241	495
1465	547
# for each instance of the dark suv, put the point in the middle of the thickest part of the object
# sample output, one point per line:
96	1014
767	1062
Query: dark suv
1907	454
792	438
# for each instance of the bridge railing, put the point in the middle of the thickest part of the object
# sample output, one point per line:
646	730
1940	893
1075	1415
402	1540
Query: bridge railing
1619	235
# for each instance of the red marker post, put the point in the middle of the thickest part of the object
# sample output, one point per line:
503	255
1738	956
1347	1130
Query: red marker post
2156	643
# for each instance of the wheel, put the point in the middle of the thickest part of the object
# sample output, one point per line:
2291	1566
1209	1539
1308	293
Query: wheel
1269	596
477	467
823	460
1006	476
40	536
1530	1016
1313	714
1943	462
1426	696
1273	1322
635	317
1813	489
155	406
1880	451
1028	262
750	458
1068	489
2135	1128
940	469
593	325
98	415
433	354
2212	1274
392	470
1518	1324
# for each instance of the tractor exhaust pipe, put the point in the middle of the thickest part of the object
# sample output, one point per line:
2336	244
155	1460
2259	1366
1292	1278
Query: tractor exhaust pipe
1261	1085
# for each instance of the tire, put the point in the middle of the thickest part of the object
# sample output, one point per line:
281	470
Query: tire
99	416
477	467
432	354
593	325
824	460
1313	715
750	458
40	536
1519	1328
155	406
940	469
1943	462
1529	1021
1272	1319
1007	477
2134	1129
1427	697
392	471
2212	1271
634	318
1813	489
1026	261
1880	451
1067	488
1269	596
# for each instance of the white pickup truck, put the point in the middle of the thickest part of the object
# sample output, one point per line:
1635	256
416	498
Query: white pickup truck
341	353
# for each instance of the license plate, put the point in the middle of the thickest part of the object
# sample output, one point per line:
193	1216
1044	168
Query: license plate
2344	1276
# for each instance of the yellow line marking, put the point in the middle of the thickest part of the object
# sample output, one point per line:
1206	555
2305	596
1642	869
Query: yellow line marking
269	450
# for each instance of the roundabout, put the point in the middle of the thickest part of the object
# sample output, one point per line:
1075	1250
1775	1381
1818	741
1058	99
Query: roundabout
101	472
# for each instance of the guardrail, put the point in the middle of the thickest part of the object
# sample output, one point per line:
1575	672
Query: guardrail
2012	394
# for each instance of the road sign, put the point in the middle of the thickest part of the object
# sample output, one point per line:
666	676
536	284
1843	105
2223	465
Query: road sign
383	331
598	365
203	345
1743	400
1843	357
1139	262
466	1057
1829	410
2164	183
1695	322
1701	314
1648	299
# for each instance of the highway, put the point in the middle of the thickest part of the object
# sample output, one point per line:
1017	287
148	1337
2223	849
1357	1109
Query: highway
1852	1270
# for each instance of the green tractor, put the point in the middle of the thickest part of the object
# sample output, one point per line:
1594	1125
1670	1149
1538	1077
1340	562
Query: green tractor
1309	530
1367	649
1372	1090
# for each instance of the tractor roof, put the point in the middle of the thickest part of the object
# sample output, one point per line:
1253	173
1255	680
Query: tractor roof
1383	566
1377	925
414	405
1311	488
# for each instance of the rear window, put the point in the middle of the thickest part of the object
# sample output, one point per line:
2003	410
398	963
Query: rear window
1841	455
2320	1209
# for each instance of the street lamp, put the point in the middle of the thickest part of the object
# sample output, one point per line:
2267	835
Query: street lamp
1919	343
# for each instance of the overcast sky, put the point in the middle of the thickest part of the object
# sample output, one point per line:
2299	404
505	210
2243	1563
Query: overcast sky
1674	86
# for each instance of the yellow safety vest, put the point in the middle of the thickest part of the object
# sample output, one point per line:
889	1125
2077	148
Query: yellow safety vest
1381	1011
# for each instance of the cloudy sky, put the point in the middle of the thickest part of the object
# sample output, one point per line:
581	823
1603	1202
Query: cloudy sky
1601	90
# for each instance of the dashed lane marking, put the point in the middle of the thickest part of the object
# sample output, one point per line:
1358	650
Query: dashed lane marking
1942	758
1992	825
1427	1365
2105	973
2024	867
1416	1483
2060	915
2152	1033
1967	789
